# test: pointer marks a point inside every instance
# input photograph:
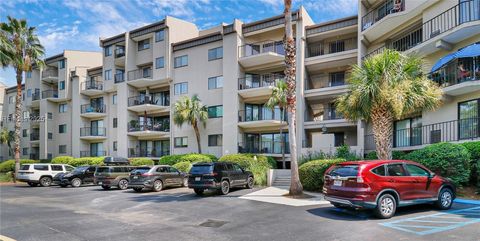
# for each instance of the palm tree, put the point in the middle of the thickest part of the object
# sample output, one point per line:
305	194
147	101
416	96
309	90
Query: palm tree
191	111
6	137
20	49
296	188
279	98
387	87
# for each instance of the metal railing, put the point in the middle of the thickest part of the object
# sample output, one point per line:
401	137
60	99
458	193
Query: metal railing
49	73
147	99
448	131
138	126
330	47
454	73
147	152
326	80
35	136
49	94
263	147
92	153
119	52
36	96
262	114
93	108
91	85
407	41
119	77
258	81
95	131
386	8
140	74
261	47
322	114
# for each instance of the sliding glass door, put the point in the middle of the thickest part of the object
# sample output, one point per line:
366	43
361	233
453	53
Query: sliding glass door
468	119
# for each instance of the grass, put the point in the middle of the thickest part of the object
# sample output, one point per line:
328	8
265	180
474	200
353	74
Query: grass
5	177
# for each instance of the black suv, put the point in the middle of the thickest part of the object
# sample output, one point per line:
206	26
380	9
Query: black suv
79	175
156	178
219	176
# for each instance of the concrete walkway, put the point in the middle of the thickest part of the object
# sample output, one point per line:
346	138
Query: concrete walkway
276	195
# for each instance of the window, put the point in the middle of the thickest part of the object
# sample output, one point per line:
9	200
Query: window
159	62
40	167
215	140
50	116
62	108
215	111
115	122
417	171
181	61
468	119
26	115
57	168
143	44
29	93
160	35
61	64
215	82
379	170
50	135
337	78
172	170
62	128
237	168
62	149
29	74
108	50
24	133
216	53
114	146
108	74
181	141
25	151
181	88
396	170
70	168
61	85
408	132
11	100
162	169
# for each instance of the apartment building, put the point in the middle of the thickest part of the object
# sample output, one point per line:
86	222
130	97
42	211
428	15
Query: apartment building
120	103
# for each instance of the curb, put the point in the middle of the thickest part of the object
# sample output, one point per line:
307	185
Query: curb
467	201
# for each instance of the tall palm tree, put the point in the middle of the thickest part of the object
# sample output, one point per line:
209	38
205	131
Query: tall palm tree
279	98
387	87
6	137
191	111
296	188
20	49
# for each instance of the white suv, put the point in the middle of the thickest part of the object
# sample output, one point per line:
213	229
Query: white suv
41	173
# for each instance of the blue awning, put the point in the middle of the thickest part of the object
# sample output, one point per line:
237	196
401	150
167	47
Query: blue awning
469	51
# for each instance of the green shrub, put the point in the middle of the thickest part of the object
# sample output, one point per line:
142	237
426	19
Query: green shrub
257	164
169	160
192	158
272	162
183	166
446	159
311	156
62	160
474	150
141	162
9	165
83	161
396	155
343	152
311	173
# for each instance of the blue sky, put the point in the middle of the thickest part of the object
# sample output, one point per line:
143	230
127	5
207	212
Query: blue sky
78	24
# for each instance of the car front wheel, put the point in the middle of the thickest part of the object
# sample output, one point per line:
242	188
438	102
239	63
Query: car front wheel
157	185
386	206
225	187
250	183
445	199
123	184
76	182
45	181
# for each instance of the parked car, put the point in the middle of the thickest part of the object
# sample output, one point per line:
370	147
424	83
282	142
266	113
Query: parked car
220	176
385	185
77	177
113	176
156	178
41	173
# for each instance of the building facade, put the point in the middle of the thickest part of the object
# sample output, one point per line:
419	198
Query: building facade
120	102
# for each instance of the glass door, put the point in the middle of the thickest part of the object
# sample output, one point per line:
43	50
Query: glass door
96	128
468	119
96	149
402	133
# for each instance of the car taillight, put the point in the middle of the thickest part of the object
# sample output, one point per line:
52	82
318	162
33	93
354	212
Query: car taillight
214	174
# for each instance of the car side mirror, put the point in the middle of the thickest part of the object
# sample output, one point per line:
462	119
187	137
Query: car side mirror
431	175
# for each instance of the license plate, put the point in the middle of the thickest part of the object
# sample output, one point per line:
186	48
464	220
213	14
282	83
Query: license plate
135	177
337	182
99	183
197	179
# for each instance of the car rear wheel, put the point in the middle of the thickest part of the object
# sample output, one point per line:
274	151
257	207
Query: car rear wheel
225	187
386	206
76	182
250	183
199	192
445	199
157	185
105	187
137	189
123	184
45	181
32	184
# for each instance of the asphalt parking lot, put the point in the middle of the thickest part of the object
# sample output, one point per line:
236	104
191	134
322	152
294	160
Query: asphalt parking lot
90	213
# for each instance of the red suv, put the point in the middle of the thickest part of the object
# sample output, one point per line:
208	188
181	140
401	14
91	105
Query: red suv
385	185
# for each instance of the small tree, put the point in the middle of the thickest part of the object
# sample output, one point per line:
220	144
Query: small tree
7	137
279	98
191	111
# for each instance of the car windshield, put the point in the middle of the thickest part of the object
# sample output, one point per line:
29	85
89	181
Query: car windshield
344	171
103	169
24	167
80	169
140	170
201	169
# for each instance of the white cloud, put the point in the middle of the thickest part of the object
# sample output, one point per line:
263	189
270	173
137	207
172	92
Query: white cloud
342	7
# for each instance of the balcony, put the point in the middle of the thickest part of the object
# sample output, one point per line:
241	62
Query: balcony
93	134
328	117
417	137
262	117
92	153
147	152
50	94
331	54
256	85
386	8
35	136
264	147
91	87
50	75
93	111
141	78
148	103
261	55
326	85
119	54
148	130
459	77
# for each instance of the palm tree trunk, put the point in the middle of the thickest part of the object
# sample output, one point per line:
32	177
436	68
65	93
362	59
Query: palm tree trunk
282	142
18	111
197	135
382	121
296	188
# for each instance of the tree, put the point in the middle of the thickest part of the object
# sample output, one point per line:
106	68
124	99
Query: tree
191	111
20	49
6	137
296	188
387	87
279	98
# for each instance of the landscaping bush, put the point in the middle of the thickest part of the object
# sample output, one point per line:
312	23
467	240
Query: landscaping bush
141	162
258	167
446	159
62	160
192	158
311	173
311	156
396	155
183	166
272	162
83	161
169	159
343	152
474	150
9	165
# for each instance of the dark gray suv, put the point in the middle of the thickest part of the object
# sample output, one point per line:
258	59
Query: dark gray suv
156	178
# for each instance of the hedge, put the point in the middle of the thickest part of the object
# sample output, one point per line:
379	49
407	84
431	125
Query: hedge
473	148
141	162
82	161
446	159
258	167
311	173
396	155
62	160
183	166
192	157
9	165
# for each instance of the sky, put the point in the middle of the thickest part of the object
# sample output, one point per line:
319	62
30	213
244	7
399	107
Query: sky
78	24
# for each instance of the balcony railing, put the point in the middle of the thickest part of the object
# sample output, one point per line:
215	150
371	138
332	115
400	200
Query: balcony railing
92	153
261	47
262	114
147	152
455	73
264	147
326	81
449	131
146	99
95	131
330	47
258	81
49	94
95	108
36	96
140	74
323	114
50	73
135	126
386	8
92	85
119	77
119	52
34	136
